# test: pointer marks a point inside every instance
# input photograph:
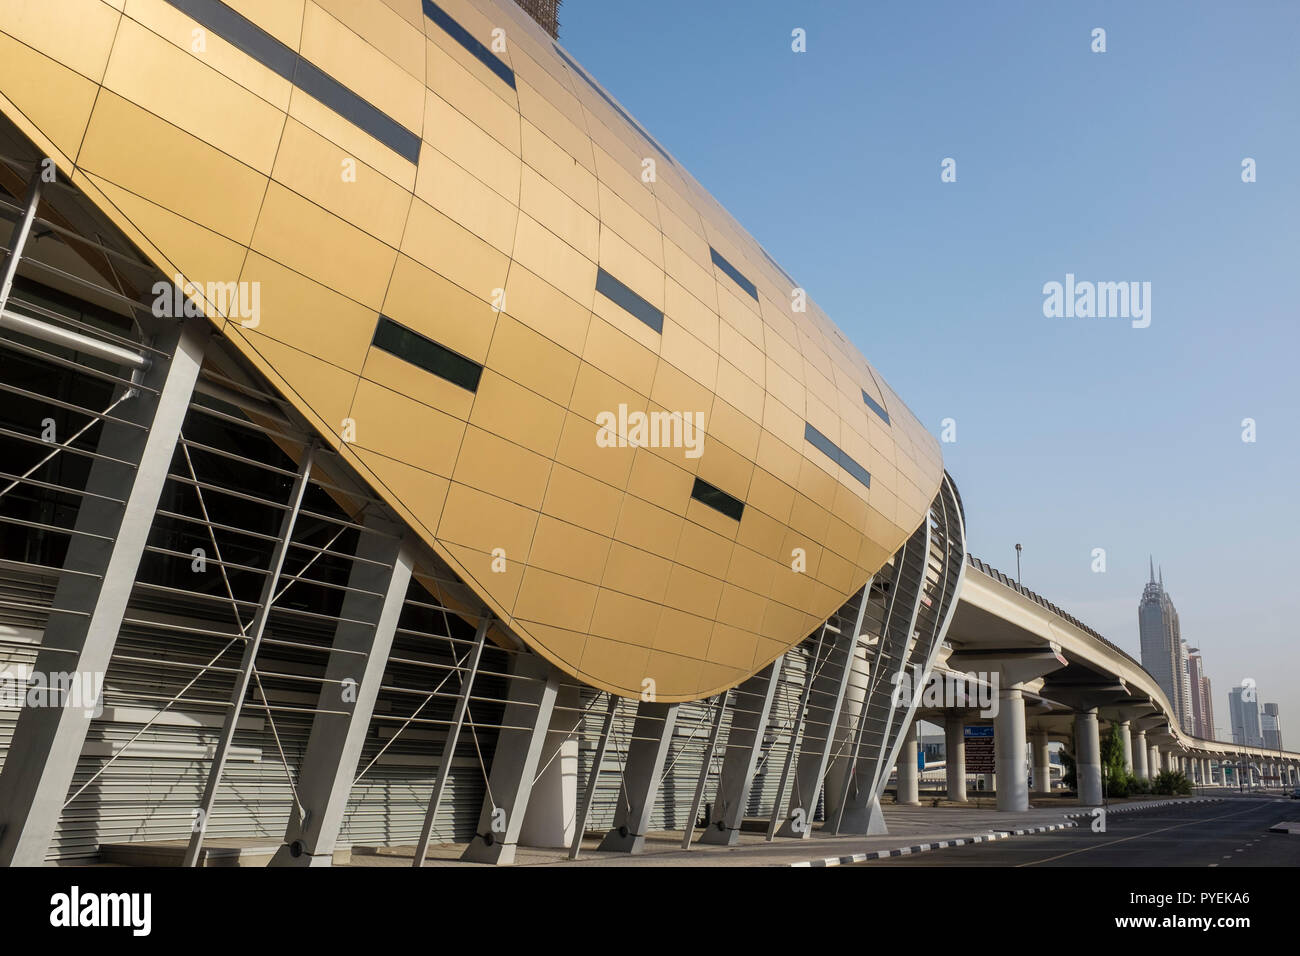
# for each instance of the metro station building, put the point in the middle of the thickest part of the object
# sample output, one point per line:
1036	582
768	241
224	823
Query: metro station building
314	321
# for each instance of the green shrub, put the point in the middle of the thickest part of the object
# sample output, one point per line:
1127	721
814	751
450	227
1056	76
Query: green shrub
1171	783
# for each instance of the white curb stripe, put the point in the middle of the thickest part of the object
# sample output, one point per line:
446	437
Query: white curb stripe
924	848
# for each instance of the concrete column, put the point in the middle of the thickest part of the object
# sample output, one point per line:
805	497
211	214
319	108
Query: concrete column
553	807
1153	761
753	705
534	685
954	747
347	698
1087	755
1125	731
1042	762
1140	754
909	791
652	734
1009	748
90	600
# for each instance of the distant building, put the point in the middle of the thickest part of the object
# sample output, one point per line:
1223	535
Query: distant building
1271	729
1186	710
1199	684
1245	717
1164	654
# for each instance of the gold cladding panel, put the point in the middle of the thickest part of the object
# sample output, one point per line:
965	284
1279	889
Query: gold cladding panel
489	245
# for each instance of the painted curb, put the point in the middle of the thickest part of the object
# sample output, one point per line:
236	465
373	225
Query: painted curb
927	847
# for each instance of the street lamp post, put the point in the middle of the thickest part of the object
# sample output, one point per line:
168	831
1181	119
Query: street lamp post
1018	550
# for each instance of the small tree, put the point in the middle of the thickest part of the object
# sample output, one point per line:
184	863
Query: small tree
1112	762
1069	778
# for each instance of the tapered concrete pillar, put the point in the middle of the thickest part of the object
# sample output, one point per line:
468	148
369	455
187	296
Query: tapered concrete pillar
1205	771
377	589
744	746
1087	755
553	804
909	790
1125	731
1042	762
1009	747
954	755
534	685
112	525
652	733
1140	754
1153	761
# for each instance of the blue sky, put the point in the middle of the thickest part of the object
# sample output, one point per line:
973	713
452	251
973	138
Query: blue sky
1072	434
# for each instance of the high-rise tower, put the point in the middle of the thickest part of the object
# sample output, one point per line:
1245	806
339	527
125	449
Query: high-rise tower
1163	653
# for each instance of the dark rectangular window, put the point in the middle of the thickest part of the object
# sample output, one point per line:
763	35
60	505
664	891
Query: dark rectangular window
318	84
612	105
411	346
247	36
735	274
717	499
622	296
836	454
469	42
875	406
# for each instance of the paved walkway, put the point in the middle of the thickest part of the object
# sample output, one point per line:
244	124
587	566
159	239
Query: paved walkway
910	828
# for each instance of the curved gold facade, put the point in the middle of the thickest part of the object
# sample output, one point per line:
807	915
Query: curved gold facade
449	168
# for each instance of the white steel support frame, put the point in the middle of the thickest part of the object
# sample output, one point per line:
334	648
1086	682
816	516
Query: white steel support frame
834	825
744	746
864	816
715	731
377	589
18	239
112	527
252	644
652	733
534	686
593	778
467	679
796	730
951	575
815	747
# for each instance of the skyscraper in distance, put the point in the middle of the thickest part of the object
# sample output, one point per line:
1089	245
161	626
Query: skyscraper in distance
1244	711
1271	728
1199	684
1163	653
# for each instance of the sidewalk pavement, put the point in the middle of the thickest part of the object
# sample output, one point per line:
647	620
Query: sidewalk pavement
911	829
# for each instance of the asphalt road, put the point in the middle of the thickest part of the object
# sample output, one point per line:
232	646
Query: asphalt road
1227	834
